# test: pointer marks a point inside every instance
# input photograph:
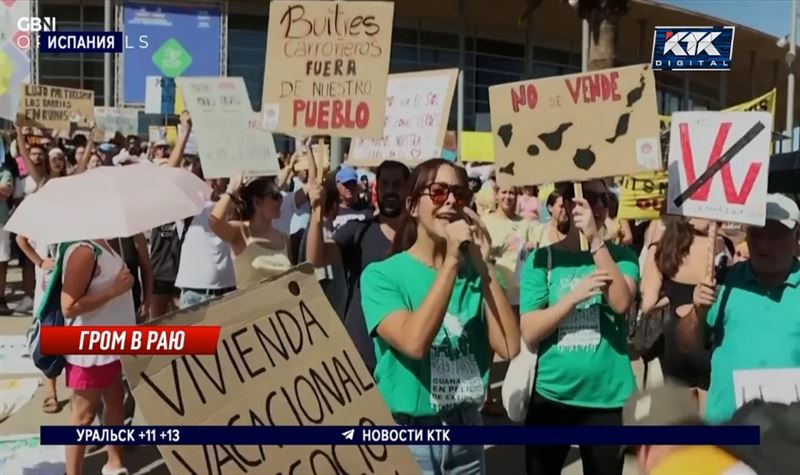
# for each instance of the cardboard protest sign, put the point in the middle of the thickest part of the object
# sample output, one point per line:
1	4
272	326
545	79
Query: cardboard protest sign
718	165
576	127
53	107
117	119
283	358
326	68
417	111
228	140
643	196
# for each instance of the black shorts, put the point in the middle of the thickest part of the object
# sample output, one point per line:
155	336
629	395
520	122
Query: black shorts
165	287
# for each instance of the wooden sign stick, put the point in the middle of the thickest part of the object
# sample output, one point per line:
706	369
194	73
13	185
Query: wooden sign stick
712	249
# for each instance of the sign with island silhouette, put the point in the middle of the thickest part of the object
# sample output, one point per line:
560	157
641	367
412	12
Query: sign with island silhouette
577	127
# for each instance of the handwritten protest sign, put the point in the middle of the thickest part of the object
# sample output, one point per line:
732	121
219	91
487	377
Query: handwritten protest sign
718	165
283	358
327	67
417	111
53	107
228	140
576	127
117	119
643	196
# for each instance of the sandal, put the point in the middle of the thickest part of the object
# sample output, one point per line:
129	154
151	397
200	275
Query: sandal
114	471
50	405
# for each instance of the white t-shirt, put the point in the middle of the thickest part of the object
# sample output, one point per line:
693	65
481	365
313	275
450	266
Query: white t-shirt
206	261
118	311
283	224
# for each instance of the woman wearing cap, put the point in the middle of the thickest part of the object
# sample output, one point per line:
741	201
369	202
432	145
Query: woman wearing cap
259	250
574	305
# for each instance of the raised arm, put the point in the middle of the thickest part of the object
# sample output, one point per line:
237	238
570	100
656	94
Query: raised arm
219	220
620	291
22	148
82	161
176	156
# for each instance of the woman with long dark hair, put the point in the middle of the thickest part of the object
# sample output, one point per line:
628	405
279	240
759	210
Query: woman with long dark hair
435	311
674	265
259	250
573	306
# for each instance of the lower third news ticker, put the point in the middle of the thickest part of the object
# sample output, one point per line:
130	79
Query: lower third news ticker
405	435
202	340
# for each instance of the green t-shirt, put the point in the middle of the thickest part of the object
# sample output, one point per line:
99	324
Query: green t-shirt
584	362
760	329
5	179
455	372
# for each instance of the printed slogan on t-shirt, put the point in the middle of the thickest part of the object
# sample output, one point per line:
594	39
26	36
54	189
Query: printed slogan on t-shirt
327	67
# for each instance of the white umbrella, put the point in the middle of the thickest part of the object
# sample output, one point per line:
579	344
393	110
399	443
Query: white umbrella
109	202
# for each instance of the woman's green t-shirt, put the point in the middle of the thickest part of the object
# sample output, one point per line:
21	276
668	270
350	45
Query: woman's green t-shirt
584	362
455	371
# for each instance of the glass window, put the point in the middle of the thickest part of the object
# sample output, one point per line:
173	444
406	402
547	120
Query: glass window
500	48
552	55
542	70
74	70
247	49
404	35
439	57
440	40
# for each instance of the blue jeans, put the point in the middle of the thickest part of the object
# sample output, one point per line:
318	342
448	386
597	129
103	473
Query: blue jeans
448	459
190	297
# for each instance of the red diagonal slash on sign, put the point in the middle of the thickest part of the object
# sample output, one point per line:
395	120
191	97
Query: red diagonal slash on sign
701	186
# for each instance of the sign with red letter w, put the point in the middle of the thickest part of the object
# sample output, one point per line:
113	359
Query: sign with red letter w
718	165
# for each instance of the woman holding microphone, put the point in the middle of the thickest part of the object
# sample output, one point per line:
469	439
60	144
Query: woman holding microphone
435	311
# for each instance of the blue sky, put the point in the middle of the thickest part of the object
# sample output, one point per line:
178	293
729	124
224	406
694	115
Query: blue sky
769	16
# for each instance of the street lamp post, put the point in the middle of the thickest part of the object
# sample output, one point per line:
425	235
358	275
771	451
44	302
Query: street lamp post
790	78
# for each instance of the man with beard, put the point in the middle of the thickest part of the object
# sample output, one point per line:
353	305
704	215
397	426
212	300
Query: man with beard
360	243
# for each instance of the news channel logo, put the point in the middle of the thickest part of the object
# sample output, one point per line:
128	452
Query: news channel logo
72	41
693	48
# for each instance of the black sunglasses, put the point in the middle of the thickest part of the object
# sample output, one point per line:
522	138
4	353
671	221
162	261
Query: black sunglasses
439	192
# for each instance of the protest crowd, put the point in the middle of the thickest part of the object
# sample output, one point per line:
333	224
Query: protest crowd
440	272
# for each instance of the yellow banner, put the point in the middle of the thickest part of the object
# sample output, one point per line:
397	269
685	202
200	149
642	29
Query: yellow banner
642	196
764	103
477	147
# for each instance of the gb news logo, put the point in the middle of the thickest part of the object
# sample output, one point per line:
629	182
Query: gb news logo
51	41
693	48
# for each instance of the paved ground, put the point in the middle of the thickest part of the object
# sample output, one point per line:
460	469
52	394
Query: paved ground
501	460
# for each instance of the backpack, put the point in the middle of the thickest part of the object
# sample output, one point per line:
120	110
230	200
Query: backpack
50	314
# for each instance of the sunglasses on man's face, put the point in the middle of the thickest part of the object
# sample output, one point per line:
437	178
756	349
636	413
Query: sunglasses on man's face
439	192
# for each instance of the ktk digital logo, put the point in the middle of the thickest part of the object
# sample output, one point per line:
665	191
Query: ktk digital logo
693	48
